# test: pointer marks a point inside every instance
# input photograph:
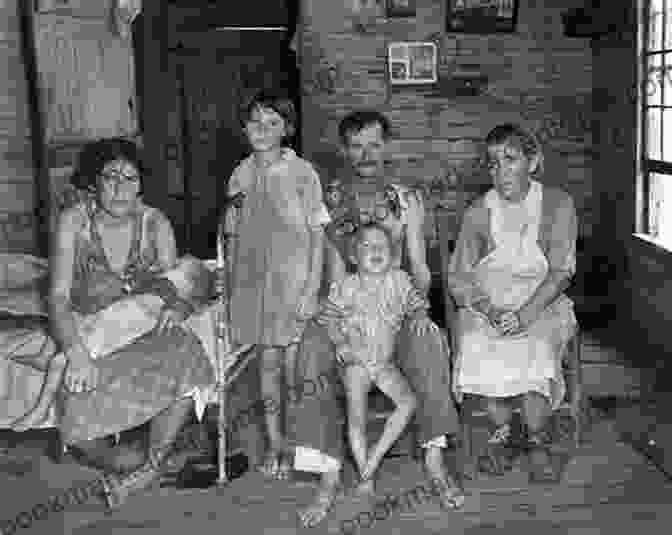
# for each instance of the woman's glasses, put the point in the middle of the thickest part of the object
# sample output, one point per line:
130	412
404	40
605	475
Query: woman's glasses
114	177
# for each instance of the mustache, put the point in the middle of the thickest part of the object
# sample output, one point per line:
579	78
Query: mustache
366	163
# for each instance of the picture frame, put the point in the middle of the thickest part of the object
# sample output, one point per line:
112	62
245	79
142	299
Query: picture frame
400	9
482	16
412	63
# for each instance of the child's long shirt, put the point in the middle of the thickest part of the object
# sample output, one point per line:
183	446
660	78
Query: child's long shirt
282	207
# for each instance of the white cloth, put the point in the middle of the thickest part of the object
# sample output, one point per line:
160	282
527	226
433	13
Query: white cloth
314	461
492	365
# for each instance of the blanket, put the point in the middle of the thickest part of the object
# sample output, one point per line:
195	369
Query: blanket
27	350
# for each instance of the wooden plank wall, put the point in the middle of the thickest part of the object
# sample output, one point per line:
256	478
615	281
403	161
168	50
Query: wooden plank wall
536	76
17	176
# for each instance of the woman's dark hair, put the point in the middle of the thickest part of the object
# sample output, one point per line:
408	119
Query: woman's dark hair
97	154
357	121
517	136
274	100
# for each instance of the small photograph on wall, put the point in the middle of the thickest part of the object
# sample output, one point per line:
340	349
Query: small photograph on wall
400	8
412	63
481	16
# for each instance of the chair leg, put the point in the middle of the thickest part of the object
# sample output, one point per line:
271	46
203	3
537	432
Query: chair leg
416	447
578	402
469	457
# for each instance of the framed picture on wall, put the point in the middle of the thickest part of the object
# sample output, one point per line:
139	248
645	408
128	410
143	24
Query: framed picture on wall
412	63
481	16
400	8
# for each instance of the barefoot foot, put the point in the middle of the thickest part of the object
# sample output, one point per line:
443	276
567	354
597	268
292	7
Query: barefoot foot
451	495
323	501
31	420
276	464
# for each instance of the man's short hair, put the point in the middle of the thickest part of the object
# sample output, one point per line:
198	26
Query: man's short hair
357	121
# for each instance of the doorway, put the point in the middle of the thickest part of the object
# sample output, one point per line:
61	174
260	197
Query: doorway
212	73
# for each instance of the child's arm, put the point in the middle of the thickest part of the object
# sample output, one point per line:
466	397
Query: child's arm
334	326
317	216
308	303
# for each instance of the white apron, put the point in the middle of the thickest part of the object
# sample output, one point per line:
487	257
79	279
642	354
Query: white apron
492	365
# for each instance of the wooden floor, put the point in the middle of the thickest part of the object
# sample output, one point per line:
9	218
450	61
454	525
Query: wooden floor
607	487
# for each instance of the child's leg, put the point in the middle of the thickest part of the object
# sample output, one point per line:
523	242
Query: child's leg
271	395
394	385
289	356
357	384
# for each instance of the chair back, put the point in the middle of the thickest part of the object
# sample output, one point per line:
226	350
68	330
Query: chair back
448	213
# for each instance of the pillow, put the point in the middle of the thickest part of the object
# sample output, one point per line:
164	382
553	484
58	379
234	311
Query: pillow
24	284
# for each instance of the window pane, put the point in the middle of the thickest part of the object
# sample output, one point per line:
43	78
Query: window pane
667	79
660	207
668	25
655	25
653	133
655	28
667	135
653	80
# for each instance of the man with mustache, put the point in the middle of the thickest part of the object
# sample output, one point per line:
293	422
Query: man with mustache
367	196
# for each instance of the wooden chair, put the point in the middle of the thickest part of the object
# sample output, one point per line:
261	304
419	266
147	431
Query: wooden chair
473	415
448	221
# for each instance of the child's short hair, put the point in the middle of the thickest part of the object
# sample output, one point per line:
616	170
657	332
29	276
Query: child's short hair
275	100
361	230
357	121
519	137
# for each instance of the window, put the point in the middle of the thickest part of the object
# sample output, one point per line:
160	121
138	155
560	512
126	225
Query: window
656	119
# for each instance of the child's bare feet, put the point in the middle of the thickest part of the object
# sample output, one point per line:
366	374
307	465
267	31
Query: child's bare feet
276	464
323	501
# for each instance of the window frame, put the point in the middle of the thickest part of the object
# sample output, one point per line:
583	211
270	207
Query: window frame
648	166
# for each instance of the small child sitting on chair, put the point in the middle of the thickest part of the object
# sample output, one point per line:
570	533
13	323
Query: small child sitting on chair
379	297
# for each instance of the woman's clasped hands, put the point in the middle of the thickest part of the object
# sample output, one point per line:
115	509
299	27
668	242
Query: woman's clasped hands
507	322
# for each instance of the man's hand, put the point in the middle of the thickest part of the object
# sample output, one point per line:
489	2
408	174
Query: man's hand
308	307
330	311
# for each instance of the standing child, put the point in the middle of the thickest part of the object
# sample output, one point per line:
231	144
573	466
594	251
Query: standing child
379	298
277	258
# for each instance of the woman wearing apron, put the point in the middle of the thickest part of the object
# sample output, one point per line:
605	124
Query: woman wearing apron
514	259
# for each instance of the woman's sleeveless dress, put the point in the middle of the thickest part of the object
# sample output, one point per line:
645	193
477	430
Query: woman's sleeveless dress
147	376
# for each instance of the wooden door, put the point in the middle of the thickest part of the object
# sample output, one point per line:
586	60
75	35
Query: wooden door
214	73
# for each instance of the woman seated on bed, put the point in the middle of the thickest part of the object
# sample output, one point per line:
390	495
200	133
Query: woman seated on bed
514	259
108	246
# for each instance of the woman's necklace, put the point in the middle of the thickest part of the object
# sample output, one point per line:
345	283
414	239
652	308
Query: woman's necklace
119	227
